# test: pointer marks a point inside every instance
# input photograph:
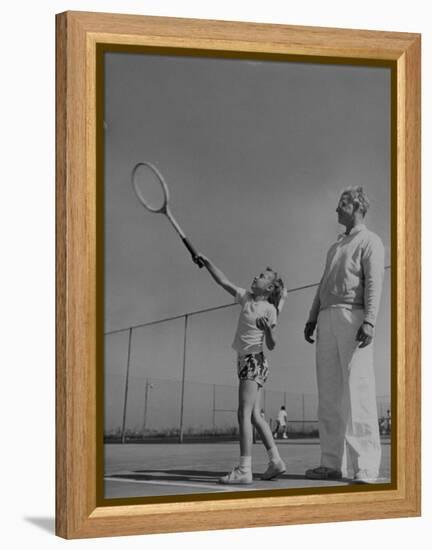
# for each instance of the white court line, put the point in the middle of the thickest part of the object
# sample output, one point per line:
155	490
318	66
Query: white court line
174	483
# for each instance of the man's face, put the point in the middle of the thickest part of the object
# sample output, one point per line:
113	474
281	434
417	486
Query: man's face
345	210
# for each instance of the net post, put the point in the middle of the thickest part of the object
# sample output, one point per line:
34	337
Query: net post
123	435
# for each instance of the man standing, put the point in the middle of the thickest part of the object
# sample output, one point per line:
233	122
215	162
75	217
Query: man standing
281	424
344	312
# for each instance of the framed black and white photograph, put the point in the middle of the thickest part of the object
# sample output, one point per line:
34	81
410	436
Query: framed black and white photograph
238	274
269	146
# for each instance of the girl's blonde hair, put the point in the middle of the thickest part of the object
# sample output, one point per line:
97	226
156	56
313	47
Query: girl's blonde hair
277	295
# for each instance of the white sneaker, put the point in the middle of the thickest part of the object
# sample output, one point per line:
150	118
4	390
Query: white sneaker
274	469
237	477
284	436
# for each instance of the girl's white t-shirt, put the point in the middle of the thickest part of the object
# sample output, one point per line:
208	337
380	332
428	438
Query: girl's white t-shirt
248	337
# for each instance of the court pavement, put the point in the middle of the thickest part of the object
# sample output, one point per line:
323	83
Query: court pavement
141	470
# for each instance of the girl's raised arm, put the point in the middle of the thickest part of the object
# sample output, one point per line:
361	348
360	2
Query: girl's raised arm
218	276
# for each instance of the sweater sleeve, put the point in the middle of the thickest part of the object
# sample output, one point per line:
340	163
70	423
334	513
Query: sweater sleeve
316	304
314	310
373	270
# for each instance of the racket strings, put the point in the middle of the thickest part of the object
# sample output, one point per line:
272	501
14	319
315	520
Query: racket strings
149	187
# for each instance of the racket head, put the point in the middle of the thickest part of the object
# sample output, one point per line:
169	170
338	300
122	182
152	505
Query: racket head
150	187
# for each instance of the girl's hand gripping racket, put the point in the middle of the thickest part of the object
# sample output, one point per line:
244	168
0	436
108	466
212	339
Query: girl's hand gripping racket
148	184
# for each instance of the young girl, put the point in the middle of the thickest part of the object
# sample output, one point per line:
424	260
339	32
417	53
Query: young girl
259	309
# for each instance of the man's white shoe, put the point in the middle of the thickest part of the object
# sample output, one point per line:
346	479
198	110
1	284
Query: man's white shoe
237	477
362	476
274	470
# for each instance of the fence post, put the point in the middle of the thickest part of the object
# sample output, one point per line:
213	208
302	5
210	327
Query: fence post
214	407
146	397
183	381
303	413
123	436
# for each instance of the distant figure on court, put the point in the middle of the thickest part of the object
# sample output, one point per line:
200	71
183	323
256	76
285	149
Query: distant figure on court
344	312
388	423
257	321
281	424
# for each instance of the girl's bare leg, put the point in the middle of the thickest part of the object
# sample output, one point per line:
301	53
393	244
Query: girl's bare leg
276	466
261	424
248	390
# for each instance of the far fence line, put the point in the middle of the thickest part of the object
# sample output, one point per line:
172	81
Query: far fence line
199	311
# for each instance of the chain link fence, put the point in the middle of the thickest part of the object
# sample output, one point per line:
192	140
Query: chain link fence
153	375
153	410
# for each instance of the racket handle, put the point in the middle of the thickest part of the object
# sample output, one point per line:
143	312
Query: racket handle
193	252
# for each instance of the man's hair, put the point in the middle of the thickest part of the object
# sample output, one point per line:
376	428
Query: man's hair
276	295
358	197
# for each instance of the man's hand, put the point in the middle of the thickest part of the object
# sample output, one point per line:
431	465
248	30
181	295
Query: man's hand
365	335
309	330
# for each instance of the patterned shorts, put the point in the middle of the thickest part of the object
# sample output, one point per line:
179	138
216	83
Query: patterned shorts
253	366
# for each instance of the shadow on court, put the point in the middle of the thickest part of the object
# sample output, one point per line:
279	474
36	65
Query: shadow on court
188	475
216	475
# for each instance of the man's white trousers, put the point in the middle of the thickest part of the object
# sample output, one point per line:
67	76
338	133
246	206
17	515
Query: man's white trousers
347	410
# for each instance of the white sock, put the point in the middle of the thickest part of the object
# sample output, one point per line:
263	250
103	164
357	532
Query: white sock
245	463
273	454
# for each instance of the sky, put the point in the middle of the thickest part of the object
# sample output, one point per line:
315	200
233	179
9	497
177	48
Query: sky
255	154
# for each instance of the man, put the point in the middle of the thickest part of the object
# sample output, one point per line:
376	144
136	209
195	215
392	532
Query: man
344	312
281	423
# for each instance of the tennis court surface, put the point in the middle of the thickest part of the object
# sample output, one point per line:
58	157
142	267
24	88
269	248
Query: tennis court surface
141	470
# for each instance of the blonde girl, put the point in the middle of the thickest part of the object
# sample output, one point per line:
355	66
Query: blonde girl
260	307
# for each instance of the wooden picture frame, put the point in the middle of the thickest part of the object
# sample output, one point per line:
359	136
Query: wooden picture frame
79	34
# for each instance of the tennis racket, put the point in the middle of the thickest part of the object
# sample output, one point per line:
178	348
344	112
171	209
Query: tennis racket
152	191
